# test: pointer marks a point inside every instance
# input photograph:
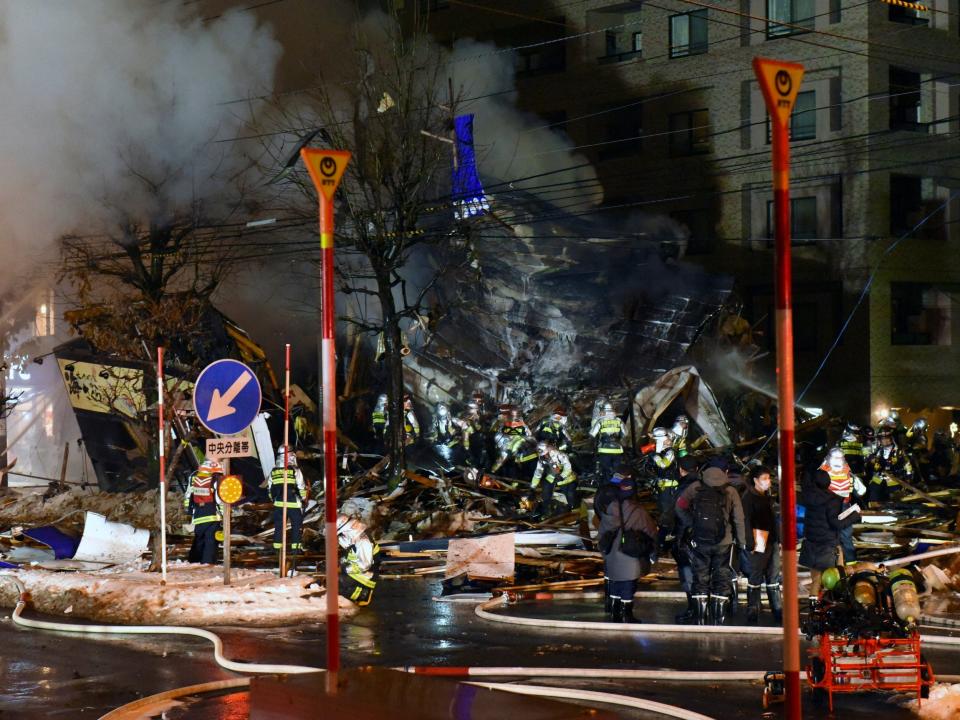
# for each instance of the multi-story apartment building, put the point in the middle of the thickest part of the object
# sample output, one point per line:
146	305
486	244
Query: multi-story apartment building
660	95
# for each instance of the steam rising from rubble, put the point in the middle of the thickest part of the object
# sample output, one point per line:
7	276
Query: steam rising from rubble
99	90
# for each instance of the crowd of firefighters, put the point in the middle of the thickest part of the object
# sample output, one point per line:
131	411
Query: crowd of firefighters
715	514
289	494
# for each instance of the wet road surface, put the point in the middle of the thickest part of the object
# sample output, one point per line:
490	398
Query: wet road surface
61	675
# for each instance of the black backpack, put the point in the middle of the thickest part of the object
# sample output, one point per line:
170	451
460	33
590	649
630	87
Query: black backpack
710	515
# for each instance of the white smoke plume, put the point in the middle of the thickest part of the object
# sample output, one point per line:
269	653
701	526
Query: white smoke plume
100	90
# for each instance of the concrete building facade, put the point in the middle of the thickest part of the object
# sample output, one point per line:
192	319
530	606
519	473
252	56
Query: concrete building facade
660	95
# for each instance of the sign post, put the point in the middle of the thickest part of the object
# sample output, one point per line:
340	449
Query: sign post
226	399
780	82
326	169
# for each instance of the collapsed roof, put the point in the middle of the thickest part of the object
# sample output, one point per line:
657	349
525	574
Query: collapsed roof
556	303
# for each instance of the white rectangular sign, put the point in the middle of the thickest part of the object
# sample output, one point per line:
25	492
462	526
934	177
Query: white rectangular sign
229	447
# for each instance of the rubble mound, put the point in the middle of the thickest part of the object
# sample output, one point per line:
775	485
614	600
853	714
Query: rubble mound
193	595
134	508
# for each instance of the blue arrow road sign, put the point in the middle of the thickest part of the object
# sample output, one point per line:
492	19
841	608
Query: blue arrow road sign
226	397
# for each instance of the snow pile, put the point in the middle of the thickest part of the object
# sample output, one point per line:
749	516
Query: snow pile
135	508
943	703
193	595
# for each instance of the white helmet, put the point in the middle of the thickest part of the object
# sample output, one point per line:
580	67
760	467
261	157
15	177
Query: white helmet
543	449
381	402
680	425
662	437
442	410
608	409
835	459
291	457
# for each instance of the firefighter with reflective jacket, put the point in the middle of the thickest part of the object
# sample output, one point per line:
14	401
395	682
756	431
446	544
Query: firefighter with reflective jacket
516	425
203	505
292	480
667	478
411	426
520	450
681	426
845	484
553	429
360	561
474	438
609	432
380	421
446	432
852	447
559	480
885	466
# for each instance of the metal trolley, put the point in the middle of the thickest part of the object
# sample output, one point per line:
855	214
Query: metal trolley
844	665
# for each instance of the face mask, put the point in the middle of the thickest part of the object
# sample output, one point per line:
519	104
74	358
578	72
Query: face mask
836	464
763	484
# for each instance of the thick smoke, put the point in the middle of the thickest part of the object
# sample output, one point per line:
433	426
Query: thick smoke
100	93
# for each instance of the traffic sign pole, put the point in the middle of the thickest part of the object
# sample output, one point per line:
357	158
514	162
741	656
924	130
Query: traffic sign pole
780	83
163	470
326	167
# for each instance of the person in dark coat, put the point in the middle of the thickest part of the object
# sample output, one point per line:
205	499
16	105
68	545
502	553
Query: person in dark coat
625	513
607	493
825	517
681	549
763	542
712	509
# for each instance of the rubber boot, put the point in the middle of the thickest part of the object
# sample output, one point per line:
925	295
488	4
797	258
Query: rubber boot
701	601
688	616
607	600
734	597
753	605
628	616
719	610
617	614
775	597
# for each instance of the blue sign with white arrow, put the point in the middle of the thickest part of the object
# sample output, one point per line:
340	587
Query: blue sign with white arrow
226	397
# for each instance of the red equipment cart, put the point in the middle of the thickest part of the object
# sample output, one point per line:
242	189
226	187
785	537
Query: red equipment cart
843	665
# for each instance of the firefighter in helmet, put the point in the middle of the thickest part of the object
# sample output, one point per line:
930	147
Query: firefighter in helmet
559	480
411	426
609	432
886	466
360	561
553	429
203	505
380	421
297	493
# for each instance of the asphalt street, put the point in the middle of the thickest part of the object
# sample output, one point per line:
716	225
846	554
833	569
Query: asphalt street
62	675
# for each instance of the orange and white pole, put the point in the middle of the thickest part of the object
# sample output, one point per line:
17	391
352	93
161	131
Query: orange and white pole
286	463
163	470
780	83
326	168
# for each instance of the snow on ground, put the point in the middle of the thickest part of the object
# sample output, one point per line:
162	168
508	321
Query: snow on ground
193	595
943	703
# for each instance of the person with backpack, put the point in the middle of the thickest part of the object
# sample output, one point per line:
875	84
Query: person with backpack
712	510
627	539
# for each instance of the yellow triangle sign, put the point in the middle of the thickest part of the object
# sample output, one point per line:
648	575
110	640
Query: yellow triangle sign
326	168
779	82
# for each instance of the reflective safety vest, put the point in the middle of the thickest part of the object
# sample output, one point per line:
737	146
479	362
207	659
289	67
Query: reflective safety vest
202	492
379	420
611	430
365	579
554	433
851	447
446	433
516	449
668	475
279	478
558	473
